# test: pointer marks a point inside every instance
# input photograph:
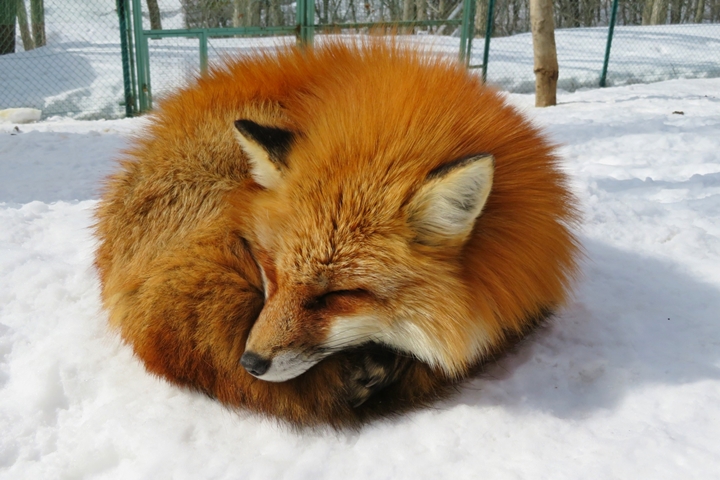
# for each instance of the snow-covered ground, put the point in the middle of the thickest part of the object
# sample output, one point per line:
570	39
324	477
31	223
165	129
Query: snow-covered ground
79	72
624	383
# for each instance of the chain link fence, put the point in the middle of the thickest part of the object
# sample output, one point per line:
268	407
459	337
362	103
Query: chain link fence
652	40
176	50
174	57
64	57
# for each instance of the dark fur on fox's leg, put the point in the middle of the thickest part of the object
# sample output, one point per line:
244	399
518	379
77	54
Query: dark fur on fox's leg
370	369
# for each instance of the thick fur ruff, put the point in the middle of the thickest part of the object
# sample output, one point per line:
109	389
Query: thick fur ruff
369	213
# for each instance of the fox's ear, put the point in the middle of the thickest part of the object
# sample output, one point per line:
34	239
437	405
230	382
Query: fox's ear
445	208
266	148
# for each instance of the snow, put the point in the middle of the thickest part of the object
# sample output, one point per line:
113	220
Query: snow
623	383
20	115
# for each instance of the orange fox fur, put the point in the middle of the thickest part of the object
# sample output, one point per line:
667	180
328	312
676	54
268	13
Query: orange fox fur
347	251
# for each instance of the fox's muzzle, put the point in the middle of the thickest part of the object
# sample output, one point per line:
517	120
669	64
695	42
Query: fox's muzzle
283	366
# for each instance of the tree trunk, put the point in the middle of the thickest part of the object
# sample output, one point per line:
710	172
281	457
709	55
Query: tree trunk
675	11
254	13
574	12
659	12
22	21
647	12
37	15
481	11
688	11
420	8
393	9
700	11
276	14
515	17
545	55
240	7
408	14
154	11
353	11
326	11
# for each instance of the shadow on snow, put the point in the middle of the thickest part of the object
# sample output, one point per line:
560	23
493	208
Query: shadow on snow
634	322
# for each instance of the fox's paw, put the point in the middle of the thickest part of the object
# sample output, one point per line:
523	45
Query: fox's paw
371	369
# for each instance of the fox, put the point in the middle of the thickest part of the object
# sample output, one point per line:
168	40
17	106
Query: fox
331	235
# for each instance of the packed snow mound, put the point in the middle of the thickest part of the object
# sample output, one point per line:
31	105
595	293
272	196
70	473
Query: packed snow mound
623	383
20	115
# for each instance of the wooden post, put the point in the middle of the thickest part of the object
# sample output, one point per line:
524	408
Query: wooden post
37	16
546	64
22	20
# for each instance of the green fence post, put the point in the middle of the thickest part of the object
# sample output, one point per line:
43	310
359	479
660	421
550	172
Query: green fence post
299	20
131	57
488	33
466	30
613	15
299	6
147	86
142	62
127	83
203	52
305	15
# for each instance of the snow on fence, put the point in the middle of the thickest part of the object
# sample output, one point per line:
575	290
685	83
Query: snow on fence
64	56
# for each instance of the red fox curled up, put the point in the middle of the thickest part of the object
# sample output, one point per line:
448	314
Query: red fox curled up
326	236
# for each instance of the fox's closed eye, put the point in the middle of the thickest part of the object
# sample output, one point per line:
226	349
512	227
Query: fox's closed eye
322	301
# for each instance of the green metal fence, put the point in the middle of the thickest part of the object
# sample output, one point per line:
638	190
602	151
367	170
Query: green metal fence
222	27
110	58
651	40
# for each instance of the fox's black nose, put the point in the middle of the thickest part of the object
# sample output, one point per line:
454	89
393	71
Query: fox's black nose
254	363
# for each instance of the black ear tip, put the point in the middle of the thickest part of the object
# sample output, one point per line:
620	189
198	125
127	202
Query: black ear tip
275	141
243	124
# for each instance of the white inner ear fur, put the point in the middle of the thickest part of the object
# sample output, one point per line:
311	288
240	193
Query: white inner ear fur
263	170
446	207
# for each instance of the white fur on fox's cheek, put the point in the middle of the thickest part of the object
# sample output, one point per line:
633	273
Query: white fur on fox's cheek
405	336
346	332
